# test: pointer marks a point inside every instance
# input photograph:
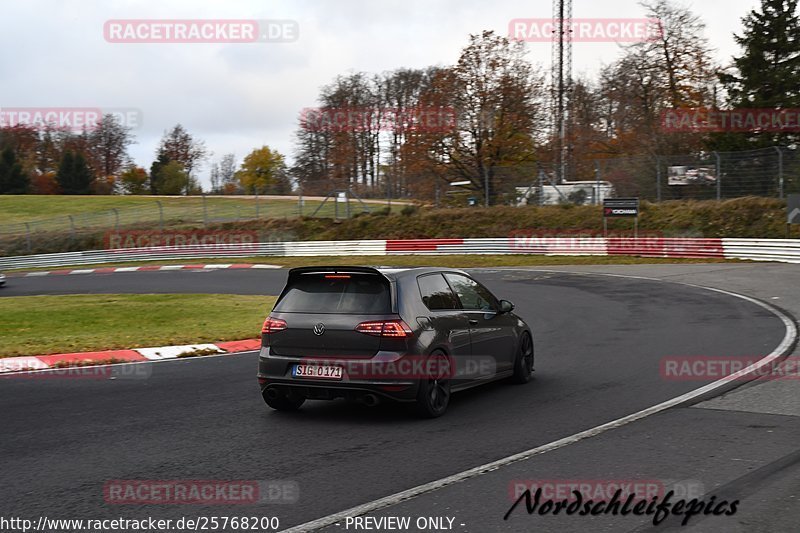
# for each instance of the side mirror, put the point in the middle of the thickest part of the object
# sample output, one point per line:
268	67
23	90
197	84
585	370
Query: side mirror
506	306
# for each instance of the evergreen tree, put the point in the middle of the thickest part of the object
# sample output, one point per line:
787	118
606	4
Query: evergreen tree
13	180
74	175
767	73
83	175
65	170
156	173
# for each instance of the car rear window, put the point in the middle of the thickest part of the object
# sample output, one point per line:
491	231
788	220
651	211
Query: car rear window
337	293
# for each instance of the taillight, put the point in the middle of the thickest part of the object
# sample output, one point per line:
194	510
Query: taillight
385	328
273	325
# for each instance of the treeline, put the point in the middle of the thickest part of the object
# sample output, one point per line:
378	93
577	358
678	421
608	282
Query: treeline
408	132
51	160
501	133
484	122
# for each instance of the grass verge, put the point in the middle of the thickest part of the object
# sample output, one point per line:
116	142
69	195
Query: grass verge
35	208
38	325
18	209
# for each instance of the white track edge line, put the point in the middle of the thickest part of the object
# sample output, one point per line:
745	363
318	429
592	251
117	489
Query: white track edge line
161	268
789	338
147	361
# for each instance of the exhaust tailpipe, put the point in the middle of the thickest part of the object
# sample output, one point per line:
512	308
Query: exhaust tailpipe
370	400
272	393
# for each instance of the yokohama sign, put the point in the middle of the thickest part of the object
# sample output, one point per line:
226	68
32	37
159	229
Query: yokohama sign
621	207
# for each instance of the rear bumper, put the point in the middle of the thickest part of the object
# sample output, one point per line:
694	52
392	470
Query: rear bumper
276	372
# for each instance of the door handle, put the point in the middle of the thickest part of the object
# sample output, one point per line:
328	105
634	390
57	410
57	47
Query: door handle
473	322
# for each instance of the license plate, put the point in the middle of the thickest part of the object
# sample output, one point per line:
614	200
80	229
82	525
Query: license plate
317	371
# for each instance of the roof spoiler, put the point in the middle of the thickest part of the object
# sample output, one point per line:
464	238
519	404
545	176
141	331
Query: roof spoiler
334	270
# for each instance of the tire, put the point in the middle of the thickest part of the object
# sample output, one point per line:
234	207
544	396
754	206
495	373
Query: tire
433	394
284	402
523	363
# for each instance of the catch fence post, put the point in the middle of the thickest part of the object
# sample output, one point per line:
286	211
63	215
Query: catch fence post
780	171
300	200
658	179
597	173
160	215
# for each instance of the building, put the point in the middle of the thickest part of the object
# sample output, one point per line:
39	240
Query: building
574	192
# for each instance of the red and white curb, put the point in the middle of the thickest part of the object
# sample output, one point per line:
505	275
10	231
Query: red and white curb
43	362
147	268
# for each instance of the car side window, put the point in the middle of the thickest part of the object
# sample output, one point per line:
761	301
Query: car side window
473	295
436	293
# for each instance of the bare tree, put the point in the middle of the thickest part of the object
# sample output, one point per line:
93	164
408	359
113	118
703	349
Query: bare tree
404	130
108	146
227	169
673	70
313	146
223	175
681	53
213	175
498	97
179	145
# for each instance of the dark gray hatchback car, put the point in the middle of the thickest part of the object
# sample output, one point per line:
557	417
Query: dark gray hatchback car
367	334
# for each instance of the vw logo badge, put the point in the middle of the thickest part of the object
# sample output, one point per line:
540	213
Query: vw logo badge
319	329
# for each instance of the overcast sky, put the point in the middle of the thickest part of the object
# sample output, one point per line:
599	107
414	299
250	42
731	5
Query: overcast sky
243	95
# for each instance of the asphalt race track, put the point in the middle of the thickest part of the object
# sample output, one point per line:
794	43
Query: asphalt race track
599	341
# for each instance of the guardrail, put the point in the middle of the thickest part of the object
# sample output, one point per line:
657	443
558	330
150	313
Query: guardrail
783	250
